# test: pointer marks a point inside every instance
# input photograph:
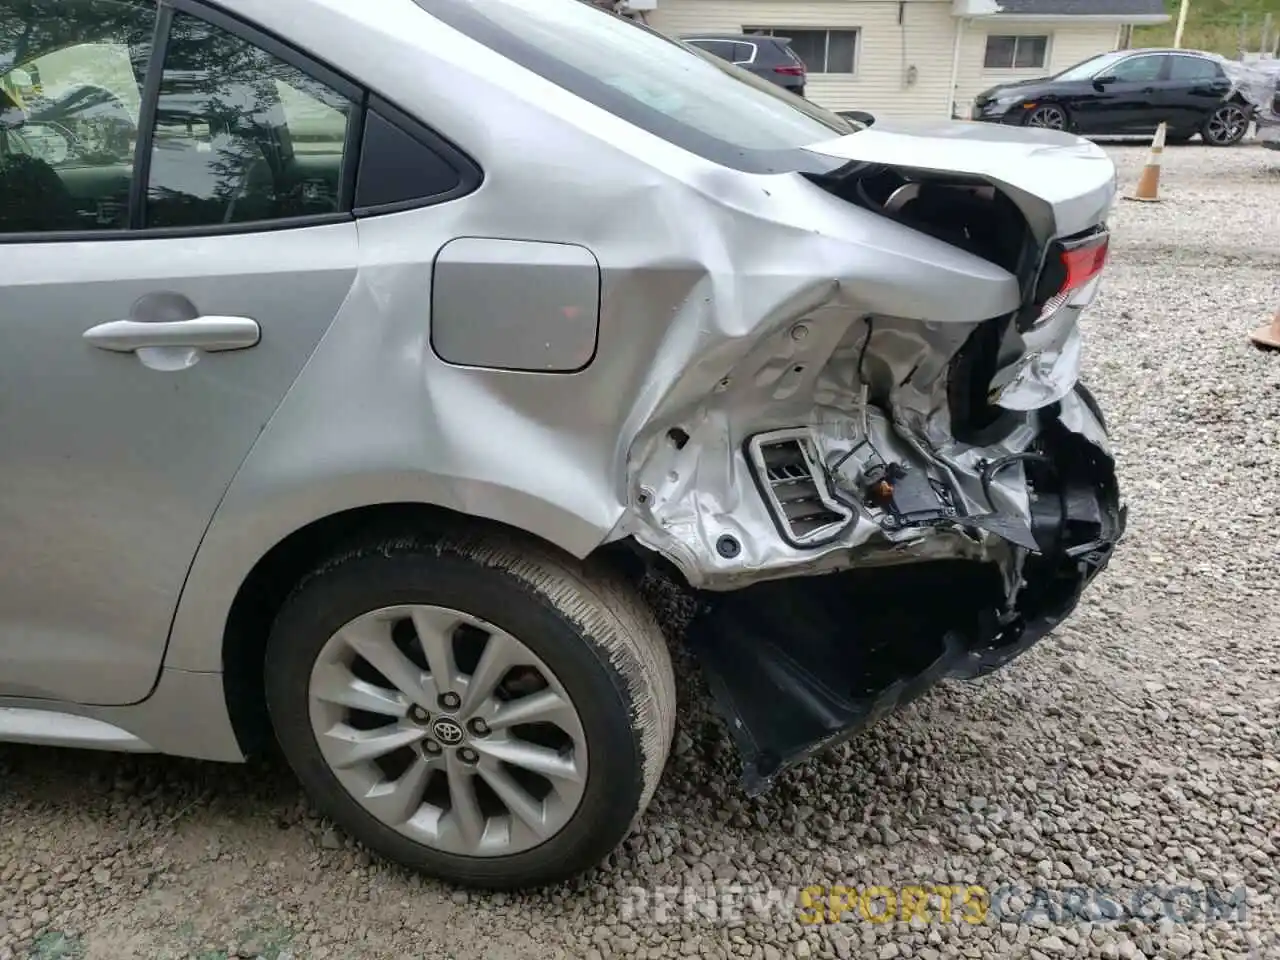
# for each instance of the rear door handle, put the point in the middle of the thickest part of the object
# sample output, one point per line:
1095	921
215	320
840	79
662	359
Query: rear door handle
201	333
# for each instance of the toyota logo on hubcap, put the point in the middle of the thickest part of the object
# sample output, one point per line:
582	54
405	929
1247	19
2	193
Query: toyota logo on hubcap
448	732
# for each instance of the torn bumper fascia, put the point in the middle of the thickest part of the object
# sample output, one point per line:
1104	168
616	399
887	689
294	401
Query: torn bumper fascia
791	678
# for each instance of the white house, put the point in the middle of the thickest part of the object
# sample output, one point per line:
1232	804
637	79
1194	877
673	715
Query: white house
918	58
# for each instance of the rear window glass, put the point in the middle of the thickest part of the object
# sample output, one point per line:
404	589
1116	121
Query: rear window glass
686	96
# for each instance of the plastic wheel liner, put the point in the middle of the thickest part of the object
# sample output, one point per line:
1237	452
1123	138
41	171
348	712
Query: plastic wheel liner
869	500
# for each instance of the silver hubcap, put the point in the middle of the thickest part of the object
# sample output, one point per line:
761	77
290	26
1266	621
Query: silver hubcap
1050	117
1226	125
448	730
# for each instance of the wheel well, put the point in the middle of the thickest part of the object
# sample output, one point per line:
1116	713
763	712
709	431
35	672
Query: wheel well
281	569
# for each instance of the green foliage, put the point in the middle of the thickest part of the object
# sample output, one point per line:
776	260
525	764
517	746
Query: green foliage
1215	25
56	946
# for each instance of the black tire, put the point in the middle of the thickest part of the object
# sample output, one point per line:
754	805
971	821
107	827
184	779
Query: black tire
1226	126
588	625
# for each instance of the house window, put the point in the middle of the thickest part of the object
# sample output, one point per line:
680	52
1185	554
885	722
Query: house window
1016	53
823	51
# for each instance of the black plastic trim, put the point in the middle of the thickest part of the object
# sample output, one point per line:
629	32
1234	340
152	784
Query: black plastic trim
147	116
784	532
162	233
470	175
351	153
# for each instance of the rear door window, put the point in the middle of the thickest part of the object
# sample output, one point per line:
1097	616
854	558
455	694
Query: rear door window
688	98
240	135
1194	70
720	48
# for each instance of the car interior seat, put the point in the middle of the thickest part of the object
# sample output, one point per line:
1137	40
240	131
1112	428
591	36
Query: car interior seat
33	197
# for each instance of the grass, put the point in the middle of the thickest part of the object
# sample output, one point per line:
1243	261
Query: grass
56	946
1214	25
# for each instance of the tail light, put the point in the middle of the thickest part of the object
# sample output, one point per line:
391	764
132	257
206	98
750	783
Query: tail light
790	71
1071	266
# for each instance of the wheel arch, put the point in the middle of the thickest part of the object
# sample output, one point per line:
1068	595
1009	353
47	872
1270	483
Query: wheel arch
278	572
1054	100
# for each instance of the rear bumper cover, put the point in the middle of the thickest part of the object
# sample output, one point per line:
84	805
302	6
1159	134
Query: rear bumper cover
796	666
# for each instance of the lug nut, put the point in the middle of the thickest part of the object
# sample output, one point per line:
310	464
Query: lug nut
467	755
418	715
479	727
450	701
431	747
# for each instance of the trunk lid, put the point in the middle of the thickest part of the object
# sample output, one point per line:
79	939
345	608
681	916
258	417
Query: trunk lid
1063	184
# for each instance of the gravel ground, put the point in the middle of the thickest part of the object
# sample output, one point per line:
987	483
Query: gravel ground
1136	751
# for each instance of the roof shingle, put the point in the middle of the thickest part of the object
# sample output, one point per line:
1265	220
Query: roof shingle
1083	8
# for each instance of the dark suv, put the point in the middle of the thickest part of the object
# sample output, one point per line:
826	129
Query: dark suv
765	56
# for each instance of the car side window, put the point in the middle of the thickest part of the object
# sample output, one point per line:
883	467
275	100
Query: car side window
70	99
743	52
1194	70
241	136
720	48
1138	69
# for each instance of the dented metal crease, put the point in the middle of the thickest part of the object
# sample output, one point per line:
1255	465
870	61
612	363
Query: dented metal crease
762	348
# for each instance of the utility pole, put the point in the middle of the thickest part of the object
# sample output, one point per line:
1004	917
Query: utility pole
1182	23
1177	45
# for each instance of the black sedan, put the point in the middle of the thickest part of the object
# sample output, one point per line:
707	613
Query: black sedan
1128	92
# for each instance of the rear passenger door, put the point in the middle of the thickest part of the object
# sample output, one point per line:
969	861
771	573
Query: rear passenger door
1133	100
157	300
164	278
1195	88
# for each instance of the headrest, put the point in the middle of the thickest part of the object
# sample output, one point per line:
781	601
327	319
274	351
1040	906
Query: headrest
11	115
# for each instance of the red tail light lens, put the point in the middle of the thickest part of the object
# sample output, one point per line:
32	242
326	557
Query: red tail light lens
1084	261
796	71
1071	265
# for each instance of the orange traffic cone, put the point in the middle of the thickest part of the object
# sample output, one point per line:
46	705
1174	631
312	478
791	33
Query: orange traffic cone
1148	189
1268	335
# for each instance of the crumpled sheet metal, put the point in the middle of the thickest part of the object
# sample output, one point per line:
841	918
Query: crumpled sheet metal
847	378
1255	81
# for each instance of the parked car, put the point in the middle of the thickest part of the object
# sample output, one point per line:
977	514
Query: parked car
766	56
1128	92
369	448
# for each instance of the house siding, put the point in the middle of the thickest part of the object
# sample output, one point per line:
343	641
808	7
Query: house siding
1068	44
885	52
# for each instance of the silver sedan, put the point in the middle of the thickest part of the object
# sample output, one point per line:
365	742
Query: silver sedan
362	361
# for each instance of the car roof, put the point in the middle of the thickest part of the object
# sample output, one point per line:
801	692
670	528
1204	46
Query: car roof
1194	53
739	37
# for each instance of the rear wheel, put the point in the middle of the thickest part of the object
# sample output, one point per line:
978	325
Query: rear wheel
1049	116
485	712
1226	126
